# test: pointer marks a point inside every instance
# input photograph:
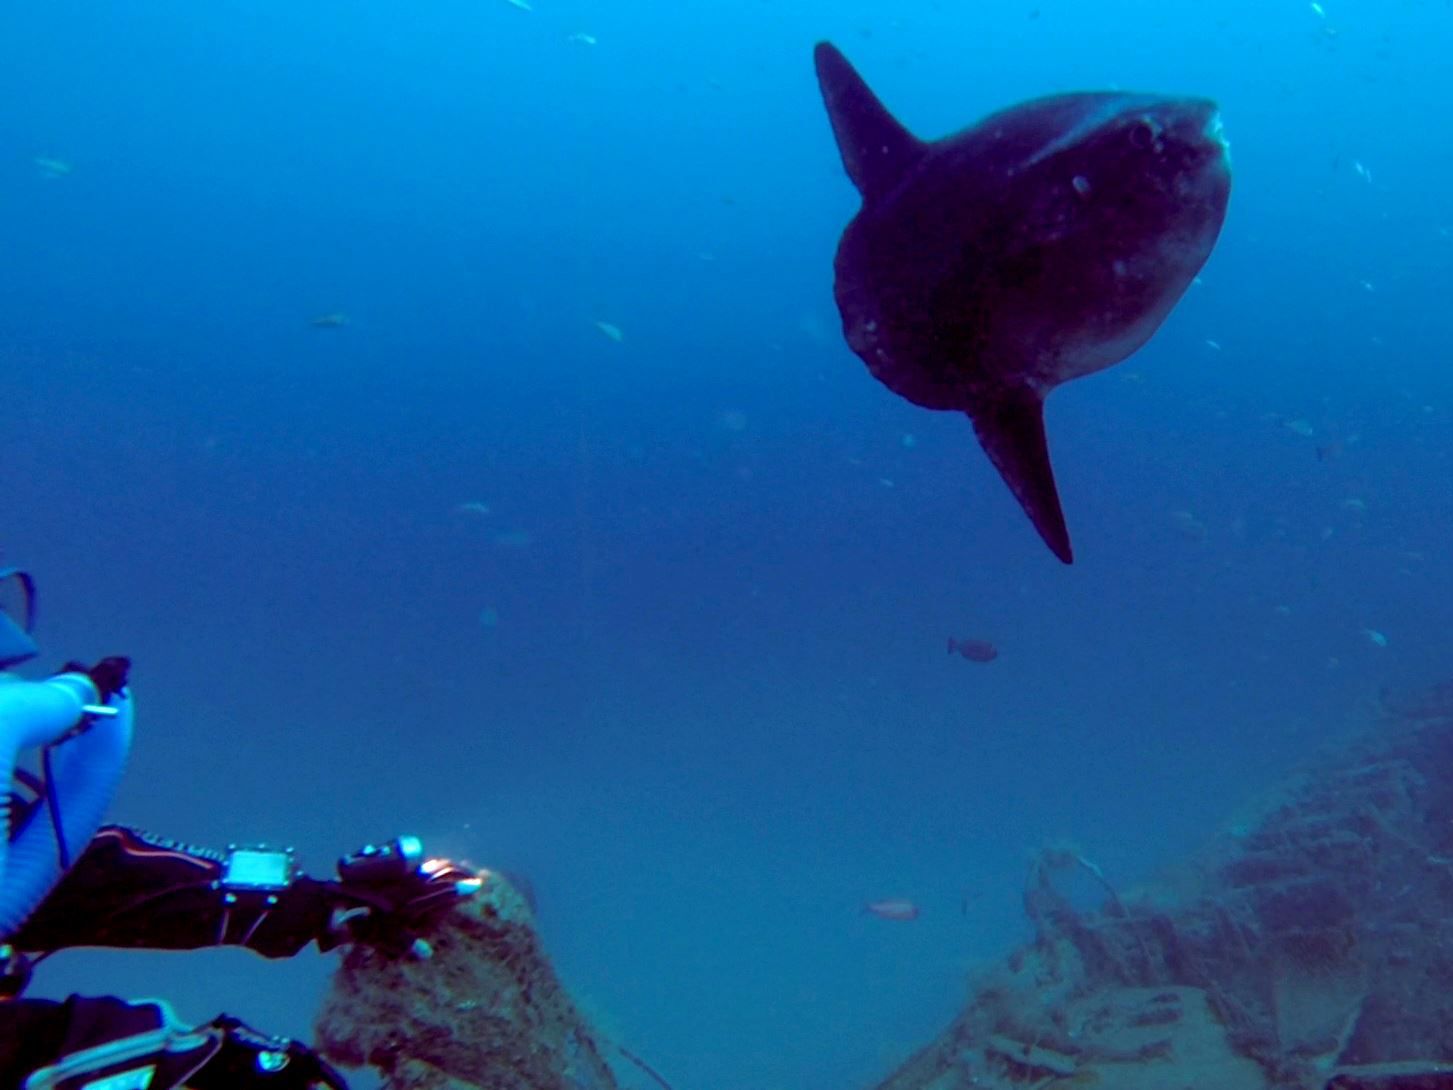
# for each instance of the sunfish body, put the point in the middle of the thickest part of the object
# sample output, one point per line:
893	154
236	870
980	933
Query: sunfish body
1046	242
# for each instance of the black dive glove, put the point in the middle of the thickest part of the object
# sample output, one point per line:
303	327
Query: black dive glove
109	675
399	893
248	1060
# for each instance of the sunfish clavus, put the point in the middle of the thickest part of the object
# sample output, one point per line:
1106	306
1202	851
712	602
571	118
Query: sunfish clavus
1046	242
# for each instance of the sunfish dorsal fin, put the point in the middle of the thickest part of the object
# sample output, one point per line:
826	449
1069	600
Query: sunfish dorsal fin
1010	427
877	151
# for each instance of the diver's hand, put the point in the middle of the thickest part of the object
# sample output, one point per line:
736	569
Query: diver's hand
400	894
248	1060
109	675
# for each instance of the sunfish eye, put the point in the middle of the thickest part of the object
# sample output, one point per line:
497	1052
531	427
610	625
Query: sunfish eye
1143	133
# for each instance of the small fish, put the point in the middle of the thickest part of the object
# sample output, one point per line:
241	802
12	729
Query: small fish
50	167
894	908
1374	637
472	507
1300	427
329	321
523	5
611	331
973	650
1317	10
1188	525
581	38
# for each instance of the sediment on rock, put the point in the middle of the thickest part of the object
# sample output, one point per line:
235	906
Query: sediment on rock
484	1009
1309	948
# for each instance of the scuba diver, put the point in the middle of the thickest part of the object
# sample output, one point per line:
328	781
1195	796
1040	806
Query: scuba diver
67	880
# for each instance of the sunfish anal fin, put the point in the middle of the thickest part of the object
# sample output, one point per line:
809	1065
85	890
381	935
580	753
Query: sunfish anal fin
877	151
1010	427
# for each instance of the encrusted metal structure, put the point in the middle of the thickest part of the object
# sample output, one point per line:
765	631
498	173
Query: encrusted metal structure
484	1009
1308	948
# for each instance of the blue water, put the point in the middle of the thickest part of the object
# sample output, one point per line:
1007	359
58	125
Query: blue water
688	672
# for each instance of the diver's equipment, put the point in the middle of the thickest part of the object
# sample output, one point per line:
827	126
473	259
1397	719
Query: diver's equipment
109	675
17	617
113	1045
400	893
248	1058
15	969
252	878
84	745
382	864
257	869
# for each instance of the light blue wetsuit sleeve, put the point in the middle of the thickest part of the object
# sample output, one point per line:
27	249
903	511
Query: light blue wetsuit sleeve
85	766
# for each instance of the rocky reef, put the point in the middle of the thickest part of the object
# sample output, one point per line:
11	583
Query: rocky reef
483	1009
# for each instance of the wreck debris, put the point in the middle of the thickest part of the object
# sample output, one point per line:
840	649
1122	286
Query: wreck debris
483	1009
1309	948
1031	1058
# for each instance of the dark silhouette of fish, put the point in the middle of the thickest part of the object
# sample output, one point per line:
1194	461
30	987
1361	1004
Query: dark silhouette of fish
1046	242
973	650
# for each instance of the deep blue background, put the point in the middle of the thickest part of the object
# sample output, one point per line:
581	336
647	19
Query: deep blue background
714	714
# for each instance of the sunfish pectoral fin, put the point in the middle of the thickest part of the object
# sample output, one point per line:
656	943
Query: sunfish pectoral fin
1010	426
877	151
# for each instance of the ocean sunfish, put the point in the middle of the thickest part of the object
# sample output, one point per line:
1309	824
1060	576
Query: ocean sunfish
1046	242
